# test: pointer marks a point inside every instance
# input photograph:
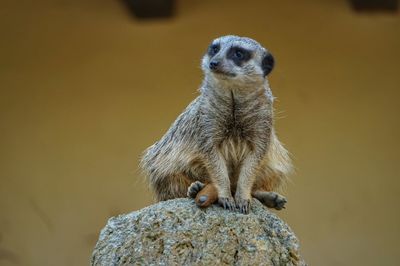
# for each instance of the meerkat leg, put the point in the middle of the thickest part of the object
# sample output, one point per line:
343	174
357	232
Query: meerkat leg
245	184
207	196
270	199
220	179
204	194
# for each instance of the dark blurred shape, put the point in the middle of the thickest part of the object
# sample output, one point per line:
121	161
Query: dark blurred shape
374	5
151	8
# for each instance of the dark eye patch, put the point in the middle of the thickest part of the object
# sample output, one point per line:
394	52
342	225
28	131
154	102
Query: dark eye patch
213	49
239	55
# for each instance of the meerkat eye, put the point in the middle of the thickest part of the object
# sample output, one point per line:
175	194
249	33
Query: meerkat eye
214	49
239	54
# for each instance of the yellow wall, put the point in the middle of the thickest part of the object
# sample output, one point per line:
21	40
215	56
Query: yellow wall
84	89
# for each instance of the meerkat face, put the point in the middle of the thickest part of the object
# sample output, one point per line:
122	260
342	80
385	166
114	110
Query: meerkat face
238	60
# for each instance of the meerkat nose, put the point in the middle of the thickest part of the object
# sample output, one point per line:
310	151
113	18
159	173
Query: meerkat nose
214	65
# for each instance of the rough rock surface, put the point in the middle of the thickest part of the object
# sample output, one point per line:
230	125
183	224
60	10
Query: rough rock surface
177	232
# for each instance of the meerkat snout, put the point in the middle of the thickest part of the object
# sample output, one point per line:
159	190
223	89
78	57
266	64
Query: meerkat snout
214	65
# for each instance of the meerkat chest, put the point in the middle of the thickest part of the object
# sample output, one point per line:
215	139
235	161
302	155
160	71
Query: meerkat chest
234	150
239	125
242	131
244	123
245	129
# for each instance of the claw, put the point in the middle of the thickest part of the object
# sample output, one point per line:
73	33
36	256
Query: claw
227	203
243	205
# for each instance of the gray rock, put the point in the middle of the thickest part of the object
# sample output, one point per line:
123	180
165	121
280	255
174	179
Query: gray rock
177	232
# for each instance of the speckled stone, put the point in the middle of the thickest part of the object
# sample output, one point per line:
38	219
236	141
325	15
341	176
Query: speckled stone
177	232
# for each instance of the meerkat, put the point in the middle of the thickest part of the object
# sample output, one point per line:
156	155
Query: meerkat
223	148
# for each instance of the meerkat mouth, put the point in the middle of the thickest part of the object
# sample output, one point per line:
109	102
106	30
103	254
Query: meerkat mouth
224	73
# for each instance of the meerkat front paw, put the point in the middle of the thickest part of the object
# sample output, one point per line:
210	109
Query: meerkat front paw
243	205
227	203
194	189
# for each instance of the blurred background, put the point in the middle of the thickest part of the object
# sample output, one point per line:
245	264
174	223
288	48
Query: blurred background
85	87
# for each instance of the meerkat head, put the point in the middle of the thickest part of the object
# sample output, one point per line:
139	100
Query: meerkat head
237	61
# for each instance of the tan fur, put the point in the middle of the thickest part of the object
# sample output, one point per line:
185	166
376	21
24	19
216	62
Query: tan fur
225	138
210	191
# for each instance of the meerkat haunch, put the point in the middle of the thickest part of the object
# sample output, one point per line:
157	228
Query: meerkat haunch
223	147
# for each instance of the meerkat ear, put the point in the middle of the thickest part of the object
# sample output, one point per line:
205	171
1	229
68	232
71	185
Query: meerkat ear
267	63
